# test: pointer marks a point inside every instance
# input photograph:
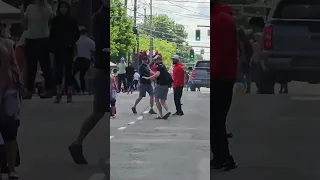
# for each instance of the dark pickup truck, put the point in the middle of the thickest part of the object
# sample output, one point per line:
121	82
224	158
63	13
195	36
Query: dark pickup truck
200	75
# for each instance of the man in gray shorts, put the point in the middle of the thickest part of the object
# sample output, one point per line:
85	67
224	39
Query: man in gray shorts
145	86
162	88
101	103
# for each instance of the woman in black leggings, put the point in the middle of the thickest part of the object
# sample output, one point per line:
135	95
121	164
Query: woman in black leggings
64	34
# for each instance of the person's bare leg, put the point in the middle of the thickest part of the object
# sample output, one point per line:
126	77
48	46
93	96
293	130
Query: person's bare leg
11	148
137	102
88	125
151	101
158	104
164	104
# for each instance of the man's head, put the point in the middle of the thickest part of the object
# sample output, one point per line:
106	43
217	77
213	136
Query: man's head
157	59
122	60
83	31
175	59
144	60
129	64
63	8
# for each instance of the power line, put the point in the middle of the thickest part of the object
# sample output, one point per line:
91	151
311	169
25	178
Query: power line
183	15
186	8
183	5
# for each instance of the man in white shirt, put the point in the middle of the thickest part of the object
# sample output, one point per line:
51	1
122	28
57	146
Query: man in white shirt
85	52
36	21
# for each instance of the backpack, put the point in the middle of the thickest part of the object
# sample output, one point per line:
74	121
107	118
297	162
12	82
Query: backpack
170	80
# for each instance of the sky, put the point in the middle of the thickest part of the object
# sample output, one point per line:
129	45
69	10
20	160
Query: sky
189	13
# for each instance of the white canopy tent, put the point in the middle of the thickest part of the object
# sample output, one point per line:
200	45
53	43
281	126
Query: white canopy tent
112	65
8	12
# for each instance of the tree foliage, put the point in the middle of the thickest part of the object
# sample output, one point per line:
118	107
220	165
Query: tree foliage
166	28
166	48
121	35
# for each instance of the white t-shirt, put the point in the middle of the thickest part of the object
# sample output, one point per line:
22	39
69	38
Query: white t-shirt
85	47
136	76
38	18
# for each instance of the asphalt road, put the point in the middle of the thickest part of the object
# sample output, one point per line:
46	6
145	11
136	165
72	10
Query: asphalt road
45	133
177	148
275	137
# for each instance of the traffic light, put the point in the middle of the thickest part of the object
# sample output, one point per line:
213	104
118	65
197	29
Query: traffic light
135	33
198	35
191	54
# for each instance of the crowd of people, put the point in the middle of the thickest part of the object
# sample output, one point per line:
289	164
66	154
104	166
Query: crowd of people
48	32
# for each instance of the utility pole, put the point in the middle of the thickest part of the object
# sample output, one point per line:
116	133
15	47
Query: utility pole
126	4
135	27
145	15
151	29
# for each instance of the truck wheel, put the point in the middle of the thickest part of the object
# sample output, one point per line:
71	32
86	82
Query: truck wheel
193	88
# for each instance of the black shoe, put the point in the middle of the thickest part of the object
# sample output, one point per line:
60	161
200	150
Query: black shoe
134	110
224	166
77	154
152	111
175	114
178	114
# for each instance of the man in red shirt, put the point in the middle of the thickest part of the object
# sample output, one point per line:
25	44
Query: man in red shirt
224	72
178	84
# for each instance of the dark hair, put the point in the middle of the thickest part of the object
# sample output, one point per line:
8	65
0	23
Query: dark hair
63	2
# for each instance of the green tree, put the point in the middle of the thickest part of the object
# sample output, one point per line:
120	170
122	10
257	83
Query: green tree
121	35
166	48
166	28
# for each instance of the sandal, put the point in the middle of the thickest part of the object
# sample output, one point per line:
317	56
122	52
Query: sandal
167	115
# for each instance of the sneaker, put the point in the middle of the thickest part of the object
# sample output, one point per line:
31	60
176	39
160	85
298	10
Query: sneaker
77	154
134	110
224	166
152	111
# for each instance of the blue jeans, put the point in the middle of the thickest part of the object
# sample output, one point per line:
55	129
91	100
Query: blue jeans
130	84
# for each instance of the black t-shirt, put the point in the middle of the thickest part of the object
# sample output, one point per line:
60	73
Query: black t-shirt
144	72
163	78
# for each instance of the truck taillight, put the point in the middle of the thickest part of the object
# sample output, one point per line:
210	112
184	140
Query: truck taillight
193	73
268	32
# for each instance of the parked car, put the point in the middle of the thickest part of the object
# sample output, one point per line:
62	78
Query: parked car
200	75
291	44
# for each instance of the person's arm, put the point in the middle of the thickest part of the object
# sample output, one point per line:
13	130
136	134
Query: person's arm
157	73
25	17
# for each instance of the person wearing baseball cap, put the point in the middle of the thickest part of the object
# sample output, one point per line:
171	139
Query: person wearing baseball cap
178	83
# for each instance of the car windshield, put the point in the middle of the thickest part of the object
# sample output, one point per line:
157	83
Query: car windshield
204	64
298	10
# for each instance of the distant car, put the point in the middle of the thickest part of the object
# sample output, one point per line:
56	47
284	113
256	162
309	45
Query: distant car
200	75
291	44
